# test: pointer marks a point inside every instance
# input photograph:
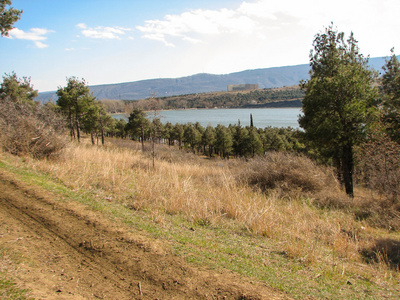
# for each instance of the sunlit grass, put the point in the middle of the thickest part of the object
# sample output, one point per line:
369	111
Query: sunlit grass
212	218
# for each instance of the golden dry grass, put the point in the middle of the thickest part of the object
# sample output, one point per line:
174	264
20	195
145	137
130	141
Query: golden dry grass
208	192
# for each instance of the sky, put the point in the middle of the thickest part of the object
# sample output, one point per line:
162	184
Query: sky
118	41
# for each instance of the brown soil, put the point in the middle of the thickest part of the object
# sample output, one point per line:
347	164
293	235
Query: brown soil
70	252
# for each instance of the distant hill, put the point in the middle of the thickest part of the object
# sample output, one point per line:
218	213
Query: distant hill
201	83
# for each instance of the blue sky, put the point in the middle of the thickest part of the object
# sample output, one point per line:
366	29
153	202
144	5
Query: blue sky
127	40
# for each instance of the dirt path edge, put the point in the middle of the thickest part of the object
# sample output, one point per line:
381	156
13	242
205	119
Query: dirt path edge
71	252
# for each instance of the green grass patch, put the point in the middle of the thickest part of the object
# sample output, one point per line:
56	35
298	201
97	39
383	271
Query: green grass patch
9	290
8	287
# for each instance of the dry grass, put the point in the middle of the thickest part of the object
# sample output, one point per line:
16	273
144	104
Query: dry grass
207	192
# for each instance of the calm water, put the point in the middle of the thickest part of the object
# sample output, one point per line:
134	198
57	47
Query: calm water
262	117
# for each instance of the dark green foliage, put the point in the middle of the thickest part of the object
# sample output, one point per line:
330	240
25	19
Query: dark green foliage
75	100
138	125
97	122
177	134
223	141
192	136
208	139
391	97
338	102
17	89
240	140
8	16
120	126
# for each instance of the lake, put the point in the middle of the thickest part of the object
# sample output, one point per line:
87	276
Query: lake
262	117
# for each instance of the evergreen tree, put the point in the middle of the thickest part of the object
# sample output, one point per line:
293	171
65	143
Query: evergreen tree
178	132
137	125
254	142
391	96
90	121
240	140
75	100
208	139
17	90
337	102
120	127
8	17
105	122
168	133
223	141
192	136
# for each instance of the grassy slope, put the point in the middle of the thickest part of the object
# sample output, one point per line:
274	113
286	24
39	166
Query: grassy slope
198	208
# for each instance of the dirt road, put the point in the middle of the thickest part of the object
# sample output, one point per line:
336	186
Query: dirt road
69	252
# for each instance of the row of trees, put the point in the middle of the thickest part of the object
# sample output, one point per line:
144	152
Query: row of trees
82	110
224	141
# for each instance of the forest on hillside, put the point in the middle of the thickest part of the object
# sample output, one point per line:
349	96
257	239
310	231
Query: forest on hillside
276	97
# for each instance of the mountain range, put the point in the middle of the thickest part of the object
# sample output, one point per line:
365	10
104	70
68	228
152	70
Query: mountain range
201	83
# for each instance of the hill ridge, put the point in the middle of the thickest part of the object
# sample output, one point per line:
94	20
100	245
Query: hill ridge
273	77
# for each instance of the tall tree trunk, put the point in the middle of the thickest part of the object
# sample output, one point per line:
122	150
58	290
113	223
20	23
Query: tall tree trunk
92	137
71	125
102	132
348	168
78	131
142	131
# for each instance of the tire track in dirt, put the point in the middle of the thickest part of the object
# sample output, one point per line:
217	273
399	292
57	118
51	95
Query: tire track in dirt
75	253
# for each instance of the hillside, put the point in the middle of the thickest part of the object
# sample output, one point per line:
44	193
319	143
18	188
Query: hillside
202	83
101	223
79	254
289	96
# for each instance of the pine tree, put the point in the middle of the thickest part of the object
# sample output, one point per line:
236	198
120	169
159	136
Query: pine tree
339	97
391	96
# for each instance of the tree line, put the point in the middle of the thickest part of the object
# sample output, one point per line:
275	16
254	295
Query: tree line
223	99
224	141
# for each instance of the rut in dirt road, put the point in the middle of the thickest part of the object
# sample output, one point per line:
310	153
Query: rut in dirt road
78	254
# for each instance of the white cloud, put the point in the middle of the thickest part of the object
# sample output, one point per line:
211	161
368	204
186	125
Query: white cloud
192	25
41	45
81	25
37	35
101	32
249	19
265	33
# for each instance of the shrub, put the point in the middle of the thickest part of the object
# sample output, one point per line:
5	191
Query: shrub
288	173
30	129
379	167
294	176
385	251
